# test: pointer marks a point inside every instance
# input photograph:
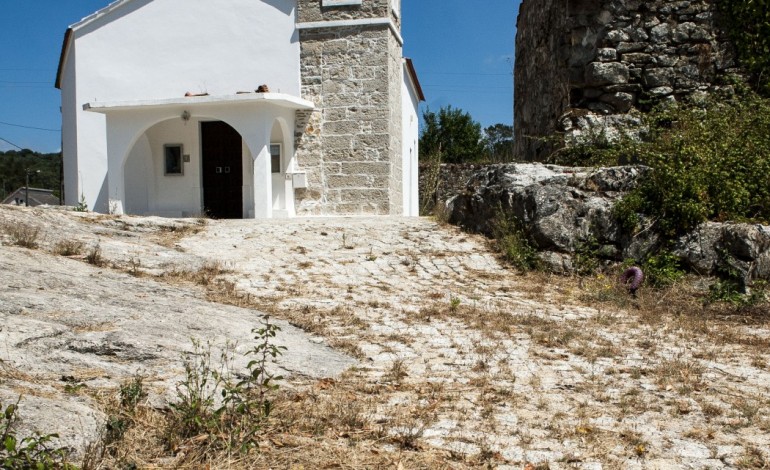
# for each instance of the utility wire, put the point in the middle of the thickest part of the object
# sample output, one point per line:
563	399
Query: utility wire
8	141
22	82
29	127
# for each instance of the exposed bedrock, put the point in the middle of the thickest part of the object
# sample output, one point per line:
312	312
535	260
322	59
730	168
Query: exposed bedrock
565	209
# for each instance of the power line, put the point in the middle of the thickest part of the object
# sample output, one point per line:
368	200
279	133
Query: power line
29	127
8	141
21	83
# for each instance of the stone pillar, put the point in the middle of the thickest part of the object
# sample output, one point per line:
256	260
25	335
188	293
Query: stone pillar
350	144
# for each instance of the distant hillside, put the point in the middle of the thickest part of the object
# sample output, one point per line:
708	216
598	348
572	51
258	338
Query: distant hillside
14	164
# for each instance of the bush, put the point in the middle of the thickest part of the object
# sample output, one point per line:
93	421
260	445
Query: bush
748	24
708	163
68	248
214	403
23	235
512	242
35	452
662	269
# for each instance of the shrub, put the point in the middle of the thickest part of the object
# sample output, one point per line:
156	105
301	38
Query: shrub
708	163
23	235
748	24
662	269
68	248
95	257
512	242
231	423
35	452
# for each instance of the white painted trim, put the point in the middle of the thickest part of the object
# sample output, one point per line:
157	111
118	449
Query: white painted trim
340	3
279	99
360	22
98	14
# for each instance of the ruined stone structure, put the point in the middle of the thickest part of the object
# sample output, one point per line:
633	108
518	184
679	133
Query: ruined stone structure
584	66
350	144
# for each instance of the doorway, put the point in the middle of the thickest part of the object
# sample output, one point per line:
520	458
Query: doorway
222	170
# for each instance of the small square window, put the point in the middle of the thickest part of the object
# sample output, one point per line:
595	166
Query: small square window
275	158
172	163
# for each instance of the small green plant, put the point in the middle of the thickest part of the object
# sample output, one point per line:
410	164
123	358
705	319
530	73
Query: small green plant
586	257
512	242
232	421
36	452
662	269
132	392
454	304
82	205
68	248
347	242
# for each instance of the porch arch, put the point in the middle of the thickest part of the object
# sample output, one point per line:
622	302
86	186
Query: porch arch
252	116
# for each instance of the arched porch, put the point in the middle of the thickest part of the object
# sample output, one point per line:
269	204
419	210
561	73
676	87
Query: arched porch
202	155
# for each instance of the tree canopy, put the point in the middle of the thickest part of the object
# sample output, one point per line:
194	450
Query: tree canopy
499	142
15	163
451	135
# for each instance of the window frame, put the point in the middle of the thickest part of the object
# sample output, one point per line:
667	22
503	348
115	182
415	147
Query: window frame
179	157
280	158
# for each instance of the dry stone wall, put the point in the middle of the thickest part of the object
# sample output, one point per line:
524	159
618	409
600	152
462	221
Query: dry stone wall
585	66
350	144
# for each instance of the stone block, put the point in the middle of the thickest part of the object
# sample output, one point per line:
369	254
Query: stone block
661	33
365	168
607	54
658	77
622	102
606	73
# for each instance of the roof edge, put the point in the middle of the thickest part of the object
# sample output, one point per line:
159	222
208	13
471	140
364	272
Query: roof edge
63	57
413	75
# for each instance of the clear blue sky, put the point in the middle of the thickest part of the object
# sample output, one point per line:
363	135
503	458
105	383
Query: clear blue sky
463	53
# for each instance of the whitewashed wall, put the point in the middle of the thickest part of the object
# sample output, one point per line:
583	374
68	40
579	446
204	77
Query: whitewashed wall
163	49
409	152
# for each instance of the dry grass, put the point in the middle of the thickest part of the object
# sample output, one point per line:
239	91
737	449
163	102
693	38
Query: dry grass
68	248
22	234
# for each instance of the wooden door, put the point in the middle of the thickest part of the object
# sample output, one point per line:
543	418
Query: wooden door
222	156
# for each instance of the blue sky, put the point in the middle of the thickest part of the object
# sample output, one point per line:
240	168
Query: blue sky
463	53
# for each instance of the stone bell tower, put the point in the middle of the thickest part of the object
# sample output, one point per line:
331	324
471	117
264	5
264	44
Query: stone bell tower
351	69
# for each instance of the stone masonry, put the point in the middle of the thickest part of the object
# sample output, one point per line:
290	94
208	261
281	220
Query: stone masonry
350	145
585	66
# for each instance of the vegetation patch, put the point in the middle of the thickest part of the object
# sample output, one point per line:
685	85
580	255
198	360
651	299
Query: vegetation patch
748	25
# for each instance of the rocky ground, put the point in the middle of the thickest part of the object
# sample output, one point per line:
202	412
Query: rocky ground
413	347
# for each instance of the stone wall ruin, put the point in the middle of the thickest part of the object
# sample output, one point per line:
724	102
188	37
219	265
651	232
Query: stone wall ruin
585	67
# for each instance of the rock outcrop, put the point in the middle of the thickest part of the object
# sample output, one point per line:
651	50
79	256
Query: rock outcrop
583	67
566	210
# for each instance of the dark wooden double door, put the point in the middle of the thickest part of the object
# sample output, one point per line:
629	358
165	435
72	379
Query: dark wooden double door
222	156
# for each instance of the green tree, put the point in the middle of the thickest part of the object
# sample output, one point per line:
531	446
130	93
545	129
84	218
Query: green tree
45	168
452	136
499	142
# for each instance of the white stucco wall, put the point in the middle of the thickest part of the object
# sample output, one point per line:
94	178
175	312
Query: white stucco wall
69	132
162	49
409	152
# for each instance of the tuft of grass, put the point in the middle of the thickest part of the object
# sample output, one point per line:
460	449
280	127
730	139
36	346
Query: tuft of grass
68	248
23	235
94	256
